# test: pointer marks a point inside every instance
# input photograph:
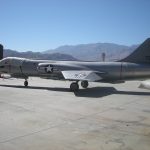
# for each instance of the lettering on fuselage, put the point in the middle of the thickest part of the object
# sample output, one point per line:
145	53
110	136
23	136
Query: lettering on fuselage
80	75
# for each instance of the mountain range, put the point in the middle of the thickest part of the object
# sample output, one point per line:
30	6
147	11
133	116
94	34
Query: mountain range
38	55
93	52
83	52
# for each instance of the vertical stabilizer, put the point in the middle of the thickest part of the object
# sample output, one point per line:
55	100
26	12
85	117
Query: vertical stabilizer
141	54
1	51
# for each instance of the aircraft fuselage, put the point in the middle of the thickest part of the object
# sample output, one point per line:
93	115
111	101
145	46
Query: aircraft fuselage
109	71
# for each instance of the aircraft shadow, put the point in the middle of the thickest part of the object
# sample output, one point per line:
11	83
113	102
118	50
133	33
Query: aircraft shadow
105	91
94	92
38	88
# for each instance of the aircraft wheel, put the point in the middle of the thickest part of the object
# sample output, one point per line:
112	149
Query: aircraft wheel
84	84
74	87
25	83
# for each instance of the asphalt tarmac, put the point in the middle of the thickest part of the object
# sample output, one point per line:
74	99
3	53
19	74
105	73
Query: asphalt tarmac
47	116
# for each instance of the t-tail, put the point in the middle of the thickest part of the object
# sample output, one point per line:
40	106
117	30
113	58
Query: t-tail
141	54
1	51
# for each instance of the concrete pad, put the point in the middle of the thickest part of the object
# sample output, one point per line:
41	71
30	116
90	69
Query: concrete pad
46	115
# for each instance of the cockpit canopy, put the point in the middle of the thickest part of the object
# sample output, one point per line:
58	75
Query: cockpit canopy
14	61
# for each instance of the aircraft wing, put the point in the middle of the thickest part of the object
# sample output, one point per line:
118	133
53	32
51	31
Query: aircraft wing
82	75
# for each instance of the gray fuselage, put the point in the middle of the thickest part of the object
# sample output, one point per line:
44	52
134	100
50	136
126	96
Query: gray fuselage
109	71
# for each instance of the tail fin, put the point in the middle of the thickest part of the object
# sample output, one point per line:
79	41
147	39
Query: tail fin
141	54
1	51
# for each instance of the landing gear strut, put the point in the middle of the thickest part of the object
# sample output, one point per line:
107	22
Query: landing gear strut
84	84
25	83
74	86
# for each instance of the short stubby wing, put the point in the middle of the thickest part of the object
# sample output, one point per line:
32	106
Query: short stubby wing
79	75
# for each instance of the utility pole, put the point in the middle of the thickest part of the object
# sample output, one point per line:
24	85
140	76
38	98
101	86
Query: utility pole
103	57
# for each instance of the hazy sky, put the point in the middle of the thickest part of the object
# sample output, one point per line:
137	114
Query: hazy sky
44	24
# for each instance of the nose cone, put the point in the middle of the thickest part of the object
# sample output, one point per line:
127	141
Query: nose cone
1	67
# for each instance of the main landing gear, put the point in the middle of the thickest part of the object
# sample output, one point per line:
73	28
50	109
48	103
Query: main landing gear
74	86
26	83
84	84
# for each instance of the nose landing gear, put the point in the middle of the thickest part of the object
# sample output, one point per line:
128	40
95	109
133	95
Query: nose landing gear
26	83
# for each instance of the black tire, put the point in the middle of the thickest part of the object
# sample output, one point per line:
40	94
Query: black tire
25	83
74	87
84	84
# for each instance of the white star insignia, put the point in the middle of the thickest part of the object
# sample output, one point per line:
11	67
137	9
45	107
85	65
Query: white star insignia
49	69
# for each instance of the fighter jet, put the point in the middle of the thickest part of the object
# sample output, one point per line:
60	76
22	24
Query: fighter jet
136	66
